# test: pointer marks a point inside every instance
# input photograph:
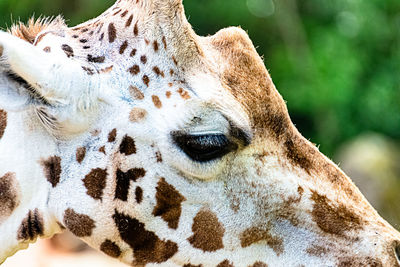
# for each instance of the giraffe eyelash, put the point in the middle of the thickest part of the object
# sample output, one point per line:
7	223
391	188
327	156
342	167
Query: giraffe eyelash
33	93
48	121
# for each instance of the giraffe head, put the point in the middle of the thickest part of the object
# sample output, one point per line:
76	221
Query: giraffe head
158	146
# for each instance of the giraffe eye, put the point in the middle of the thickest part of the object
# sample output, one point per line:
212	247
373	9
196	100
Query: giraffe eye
204	147
397	252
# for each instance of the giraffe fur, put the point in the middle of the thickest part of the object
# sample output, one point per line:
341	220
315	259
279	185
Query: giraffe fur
160	147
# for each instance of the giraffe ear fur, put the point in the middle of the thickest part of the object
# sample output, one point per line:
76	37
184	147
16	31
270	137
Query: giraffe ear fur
29	31
13	95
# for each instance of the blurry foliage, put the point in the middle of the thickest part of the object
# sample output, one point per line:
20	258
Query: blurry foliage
336	62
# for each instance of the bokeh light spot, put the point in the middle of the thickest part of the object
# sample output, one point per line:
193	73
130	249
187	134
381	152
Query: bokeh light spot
261	8
348	24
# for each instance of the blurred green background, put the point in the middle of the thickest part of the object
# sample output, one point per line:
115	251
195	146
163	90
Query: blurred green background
336	63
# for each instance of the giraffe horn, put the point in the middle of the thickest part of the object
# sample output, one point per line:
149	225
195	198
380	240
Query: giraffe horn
167	18
179	32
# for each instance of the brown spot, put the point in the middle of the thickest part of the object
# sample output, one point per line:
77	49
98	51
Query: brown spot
355	262
112	32
225	263
164	41
278	124
155	46
134	70
1	51
295	153
316	250
143	59
184	94
138	195
124	13
207	231
80	154
259	264
110	248
168	94
124	179
80	225
31	227
129	21
47	49
300	190
135	30
9	195
147	247
254	235
3	122
127	146
156	101
136	93
171	72
52	170
107	69
332	219
112	135
133	52
169	202
95	182
174	59
170	84
158	72
158	156
146	80
123	47
89	71
137	114
93	59
103	150
192	265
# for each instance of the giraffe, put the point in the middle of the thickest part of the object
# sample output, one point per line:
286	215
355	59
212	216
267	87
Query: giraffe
163	148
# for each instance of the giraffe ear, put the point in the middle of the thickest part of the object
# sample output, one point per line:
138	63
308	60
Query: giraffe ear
41	71
60	90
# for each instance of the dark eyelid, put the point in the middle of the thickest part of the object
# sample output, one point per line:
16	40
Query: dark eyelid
203	147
